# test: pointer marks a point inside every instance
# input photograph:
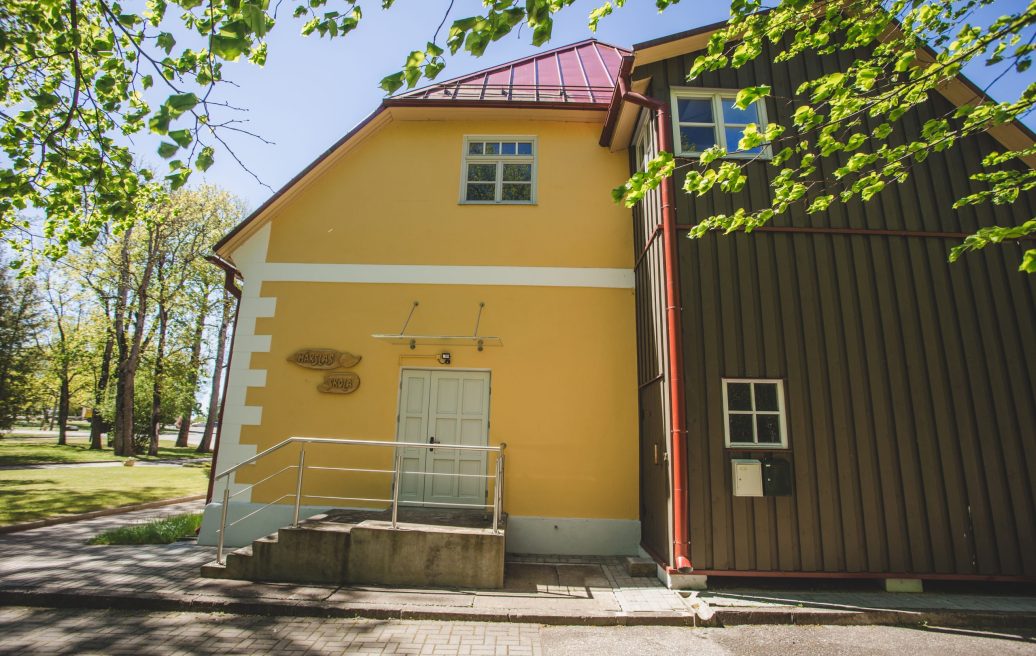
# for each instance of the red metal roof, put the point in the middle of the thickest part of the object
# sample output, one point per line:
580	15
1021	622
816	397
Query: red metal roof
583	72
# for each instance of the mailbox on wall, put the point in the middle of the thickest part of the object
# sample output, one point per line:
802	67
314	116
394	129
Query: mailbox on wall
770	477
747	477
776	477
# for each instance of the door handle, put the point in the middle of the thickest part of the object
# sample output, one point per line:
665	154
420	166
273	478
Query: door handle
432	440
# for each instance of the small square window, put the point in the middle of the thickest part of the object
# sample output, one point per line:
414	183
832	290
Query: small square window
499	170
754	416
705	118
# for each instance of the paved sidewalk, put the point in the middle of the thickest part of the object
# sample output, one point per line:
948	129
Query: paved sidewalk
74	631
53	566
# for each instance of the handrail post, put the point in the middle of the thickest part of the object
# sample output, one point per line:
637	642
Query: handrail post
395	486
223	522
298	485
498	495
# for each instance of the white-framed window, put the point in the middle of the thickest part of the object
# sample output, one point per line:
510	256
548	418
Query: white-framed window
703	118
499	170
753	413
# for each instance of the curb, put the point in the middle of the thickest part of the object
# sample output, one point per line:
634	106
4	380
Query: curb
113	463
722	617
94	514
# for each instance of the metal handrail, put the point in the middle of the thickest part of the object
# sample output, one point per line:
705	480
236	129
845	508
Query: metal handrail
397	473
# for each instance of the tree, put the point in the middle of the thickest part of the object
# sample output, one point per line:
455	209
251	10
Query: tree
912	48
78	72
66	344
20	324
227	307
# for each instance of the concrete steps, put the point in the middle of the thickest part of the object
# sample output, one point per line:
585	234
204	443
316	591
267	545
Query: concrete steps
315	552
341	547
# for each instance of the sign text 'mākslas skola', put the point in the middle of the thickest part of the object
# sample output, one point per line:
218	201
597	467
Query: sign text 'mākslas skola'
323	358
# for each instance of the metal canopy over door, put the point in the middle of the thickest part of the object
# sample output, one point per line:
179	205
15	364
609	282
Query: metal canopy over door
447	407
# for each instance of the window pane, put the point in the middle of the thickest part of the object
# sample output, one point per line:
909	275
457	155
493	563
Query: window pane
695	140
475	148
739	396
694	110
766	396
481	172
525	148
517	191
734	136
517	172
769	428
492	148
507	148
481	191
741	429
731	114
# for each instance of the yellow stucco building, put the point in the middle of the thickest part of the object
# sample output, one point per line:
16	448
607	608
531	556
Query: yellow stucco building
462	243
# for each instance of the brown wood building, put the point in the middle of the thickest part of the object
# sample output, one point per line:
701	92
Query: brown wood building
897	390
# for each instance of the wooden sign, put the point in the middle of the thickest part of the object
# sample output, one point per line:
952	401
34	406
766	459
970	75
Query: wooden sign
340	383
323	358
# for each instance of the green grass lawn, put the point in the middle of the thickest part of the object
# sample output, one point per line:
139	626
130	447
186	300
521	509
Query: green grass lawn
30	494
159	531
45	451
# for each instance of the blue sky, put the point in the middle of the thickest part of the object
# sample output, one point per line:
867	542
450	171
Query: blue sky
312	90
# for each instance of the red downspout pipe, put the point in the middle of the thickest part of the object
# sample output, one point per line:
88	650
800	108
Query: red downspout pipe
678	432
235	291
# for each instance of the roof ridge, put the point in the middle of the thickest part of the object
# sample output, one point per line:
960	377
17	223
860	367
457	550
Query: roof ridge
511	63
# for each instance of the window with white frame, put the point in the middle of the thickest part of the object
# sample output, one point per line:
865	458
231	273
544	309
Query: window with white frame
702	119
499	170
753	411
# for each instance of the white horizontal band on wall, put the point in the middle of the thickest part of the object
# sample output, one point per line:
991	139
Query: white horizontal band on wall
446	275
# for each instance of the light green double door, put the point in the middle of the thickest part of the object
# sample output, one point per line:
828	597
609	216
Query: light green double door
443	407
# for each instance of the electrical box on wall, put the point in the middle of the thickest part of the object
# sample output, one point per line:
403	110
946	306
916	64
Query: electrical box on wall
776	477
747	477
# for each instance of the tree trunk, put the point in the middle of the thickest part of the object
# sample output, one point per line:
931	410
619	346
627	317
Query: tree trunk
130	348
123	442
217	374
97	423
63	408
156	386
196	340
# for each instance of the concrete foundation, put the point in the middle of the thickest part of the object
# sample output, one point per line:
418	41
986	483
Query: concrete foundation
426	556
676	581
904	585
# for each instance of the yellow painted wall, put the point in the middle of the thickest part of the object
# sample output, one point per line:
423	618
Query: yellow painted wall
393	199
563	387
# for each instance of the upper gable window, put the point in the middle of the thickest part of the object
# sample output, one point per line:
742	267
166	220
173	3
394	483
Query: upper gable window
702	119
499	170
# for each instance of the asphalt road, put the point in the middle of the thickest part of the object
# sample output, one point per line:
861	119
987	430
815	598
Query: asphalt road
77	631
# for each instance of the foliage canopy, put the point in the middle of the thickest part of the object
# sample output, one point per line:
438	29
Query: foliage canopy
82	76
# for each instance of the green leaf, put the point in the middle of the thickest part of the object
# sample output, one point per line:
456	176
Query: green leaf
167	150
205	159
749	95
183	138
45	100
392	83
180	103
165	41
1028	264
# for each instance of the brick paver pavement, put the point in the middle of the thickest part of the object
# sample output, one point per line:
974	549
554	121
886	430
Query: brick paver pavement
32	631
54	566
46	631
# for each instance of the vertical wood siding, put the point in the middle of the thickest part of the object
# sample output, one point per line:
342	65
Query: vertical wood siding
653	367
653	361
910	383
